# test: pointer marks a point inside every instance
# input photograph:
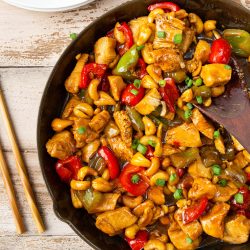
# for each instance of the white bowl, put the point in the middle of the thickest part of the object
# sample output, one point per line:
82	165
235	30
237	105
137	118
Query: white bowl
48	5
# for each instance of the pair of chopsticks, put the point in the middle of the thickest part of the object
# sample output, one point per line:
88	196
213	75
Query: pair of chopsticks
22	173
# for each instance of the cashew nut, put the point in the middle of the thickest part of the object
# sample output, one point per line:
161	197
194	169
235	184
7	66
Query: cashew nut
156	195
154	245
131	231
84	171
102	185
147	53
90	149
187	95
83	110
155	72
217	91
138	211
144	34
104	100
196	20
59	125
209	25
119	35
79	185
155	165
149	125
159	175
92	89
159	130
132	201
75	200
146	217
175	178
106	175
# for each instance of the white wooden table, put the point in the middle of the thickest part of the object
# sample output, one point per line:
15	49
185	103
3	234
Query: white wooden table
30	44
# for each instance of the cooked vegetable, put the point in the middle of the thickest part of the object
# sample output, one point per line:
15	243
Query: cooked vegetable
132	95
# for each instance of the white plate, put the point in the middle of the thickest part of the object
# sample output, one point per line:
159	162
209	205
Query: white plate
48	5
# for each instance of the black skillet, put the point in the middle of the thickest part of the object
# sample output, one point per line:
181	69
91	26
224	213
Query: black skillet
228	15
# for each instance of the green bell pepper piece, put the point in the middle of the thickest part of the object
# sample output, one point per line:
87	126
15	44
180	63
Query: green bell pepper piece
135	118
127	62
239	40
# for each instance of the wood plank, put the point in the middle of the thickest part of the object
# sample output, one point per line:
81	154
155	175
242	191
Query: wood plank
53	225
23	88
38	39
43	243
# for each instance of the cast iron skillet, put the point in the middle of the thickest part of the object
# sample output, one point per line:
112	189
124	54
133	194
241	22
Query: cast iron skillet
228	15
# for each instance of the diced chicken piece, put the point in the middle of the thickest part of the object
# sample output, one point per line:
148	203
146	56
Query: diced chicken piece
169	60
197	169
202	51
192	229
237	229
105	50
185	135
202	124
215	74
213	222
225	193
120	148
124	124
99	121
61	145
68	110
116	86
179	238
202	187
73	81
112	222
240	160
83	137
149	102
172	27
188	37
135	26
169	150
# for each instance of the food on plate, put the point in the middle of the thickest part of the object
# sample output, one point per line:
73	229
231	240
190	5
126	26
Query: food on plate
131	145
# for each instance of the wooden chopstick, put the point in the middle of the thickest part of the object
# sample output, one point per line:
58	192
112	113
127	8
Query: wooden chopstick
20	166
11	194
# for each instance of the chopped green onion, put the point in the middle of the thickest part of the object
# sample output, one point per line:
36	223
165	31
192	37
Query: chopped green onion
172	177
178	38
190	105
198	82
135	143
152	143
162	83
137	83
161	34
222	182
216	169
187	114
216	134
73	36
199	99
142	149
134	91
189	82
227	67
239	198
135	178
81	130
178	194
189	240
140	47
160	182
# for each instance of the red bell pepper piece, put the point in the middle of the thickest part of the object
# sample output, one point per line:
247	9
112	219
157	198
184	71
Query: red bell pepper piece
67	169
111	161
139	241
105	86
194	212
150	152
134	188
248	177
165	5
169	94
220	51
142	68
246	199
132	95
128	38
180	172
98	70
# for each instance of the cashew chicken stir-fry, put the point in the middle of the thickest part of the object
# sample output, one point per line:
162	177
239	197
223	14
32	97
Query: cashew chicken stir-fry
133	148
